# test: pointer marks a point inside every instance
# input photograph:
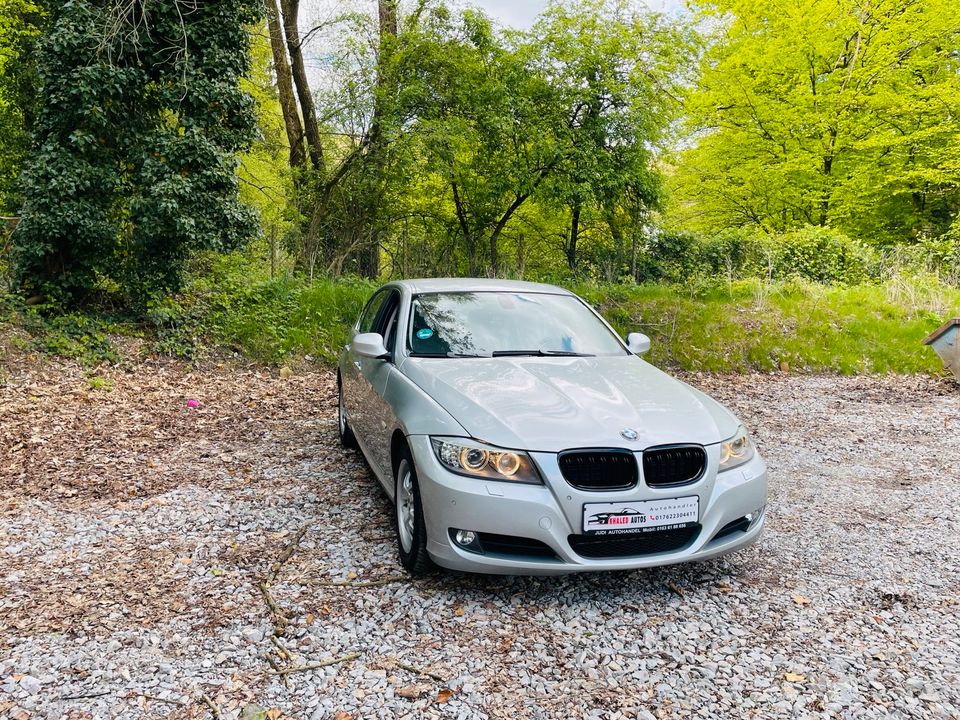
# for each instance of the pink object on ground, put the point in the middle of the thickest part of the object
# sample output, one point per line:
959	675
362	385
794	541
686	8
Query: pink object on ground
193	403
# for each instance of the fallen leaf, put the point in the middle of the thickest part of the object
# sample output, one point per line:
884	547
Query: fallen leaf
675	589
351	575
309	619
412	692
185	561
458	611
444	695
801	600
342	715
286	373
794	677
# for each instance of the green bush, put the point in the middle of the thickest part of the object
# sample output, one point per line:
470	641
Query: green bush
811	253
821	255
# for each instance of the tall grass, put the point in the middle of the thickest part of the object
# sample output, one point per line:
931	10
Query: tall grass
734	326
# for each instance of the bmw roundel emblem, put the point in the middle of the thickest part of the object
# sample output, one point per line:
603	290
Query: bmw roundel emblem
629	434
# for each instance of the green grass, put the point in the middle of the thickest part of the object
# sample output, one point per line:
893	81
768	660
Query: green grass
275	321
750	325
742	326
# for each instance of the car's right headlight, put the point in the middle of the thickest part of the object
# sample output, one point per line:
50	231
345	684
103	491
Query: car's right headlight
474	459
736	451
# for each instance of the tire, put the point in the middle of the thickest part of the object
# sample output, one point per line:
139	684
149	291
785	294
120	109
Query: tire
411	529
347	438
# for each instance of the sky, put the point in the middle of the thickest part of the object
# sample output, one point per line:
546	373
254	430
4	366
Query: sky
521	13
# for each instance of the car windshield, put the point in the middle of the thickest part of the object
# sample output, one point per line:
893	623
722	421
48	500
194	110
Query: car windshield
499	324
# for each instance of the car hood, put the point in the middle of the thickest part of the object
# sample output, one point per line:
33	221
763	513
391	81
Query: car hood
552	404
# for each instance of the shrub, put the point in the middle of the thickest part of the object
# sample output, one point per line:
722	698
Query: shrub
820	255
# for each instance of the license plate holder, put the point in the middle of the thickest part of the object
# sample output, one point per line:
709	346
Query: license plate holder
640	516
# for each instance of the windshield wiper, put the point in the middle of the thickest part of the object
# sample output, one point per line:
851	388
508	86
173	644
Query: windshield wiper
448	355
539	353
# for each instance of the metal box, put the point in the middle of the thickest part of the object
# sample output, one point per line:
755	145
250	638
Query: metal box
946	342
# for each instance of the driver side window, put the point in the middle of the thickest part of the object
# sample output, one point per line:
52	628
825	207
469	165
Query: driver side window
368	318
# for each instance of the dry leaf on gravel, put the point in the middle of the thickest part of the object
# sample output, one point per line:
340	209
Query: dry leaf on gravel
444	695
794	677
801	600
412	692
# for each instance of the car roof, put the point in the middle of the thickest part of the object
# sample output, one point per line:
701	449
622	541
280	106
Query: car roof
431	285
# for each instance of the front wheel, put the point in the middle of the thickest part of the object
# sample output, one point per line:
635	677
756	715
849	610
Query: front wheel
411	529
347	438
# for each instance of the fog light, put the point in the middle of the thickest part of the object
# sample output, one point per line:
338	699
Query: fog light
465	537
755	515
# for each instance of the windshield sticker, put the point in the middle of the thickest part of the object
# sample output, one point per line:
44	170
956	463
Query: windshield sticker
425	334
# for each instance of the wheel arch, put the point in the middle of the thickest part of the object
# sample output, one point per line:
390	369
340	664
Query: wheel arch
398	443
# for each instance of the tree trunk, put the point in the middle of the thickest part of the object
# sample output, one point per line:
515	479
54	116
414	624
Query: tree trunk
521	255
574	237
827	169
289	9
465	229
288	103
369	256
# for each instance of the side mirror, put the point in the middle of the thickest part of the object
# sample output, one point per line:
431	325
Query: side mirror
638	343
370	345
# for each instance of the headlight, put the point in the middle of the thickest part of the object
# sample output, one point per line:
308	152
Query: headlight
736	451
473	459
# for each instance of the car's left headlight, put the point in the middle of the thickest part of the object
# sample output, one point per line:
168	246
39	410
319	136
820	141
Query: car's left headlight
474	459
736	451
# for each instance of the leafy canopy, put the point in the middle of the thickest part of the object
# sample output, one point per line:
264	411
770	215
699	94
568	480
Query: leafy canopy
825	112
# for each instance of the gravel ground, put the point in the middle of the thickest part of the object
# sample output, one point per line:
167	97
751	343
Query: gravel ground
137	536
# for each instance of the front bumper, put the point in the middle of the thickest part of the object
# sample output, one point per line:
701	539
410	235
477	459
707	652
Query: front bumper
551	513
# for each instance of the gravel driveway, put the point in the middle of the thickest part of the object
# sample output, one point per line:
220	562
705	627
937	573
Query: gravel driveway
164	561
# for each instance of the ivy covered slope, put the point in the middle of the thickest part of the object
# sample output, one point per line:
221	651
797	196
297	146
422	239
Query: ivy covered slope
133	163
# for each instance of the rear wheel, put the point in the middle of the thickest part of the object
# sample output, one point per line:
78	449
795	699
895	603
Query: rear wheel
347	438
408	514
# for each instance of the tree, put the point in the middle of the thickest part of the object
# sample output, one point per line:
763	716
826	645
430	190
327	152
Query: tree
19	28
825	113
524	133
618	74
135	144
337	198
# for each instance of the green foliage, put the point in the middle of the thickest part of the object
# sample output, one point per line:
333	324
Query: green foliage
277	319
95	382
19	28
266	182
819	254
839	114
490	137
133	165
809	253
84	338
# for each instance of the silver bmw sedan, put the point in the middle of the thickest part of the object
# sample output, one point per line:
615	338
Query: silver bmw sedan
516	433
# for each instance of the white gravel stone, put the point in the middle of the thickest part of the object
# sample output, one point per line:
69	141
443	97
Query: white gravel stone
853	587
